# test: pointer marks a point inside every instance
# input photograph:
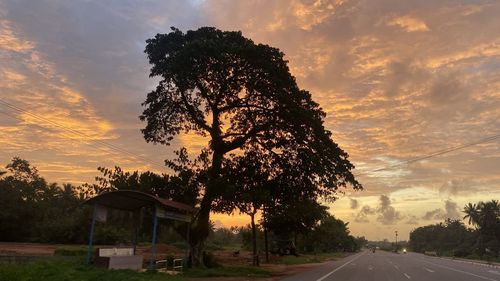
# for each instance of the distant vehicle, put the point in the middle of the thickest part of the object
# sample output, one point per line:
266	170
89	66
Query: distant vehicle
404	251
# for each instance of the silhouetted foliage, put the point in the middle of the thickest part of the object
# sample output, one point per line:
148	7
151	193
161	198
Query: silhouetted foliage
485	216
34	210
444	238
242	96
453	238
330	235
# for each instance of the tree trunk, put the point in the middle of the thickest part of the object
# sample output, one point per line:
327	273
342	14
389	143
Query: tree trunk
255	259
266	245
266	242
200	229
199	232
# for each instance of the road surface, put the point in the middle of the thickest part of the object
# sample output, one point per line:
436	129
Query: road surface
386	266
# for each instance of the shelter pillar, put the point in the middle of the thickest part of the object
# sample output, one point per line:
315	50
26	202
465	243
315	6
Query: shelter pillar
153	242
91	235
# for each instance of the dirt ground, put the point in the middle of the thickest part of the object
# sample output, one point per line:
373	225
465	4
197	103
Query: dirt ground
27	249
225	257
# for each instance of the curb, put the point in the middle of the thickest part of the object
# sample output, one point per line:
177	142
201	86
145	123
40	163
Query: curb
481	263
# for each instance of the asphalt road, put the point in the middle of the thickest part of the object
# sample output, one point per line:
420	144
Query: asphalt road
385	266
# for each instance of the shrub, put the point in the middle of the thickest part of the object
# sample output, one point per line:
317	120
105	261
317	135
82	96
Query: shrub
209	260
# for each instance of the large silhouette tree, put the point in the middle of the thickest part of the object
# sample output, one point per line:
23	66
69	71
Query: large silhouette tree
240	95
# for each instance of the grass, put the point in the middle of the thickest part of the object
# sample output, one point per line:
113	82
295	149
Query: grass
71	250
316	258
66	271
233	271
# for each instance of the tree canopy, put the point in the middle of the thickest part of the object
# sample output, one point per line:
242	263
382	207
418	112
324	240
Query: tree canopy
241	96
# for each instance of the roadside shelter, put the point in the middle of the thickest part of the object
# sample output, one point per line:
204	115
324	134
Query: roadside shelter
134	201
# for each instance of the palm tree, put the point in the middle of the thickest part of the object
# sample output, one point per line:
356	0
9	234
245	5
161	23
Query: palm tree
488	212
495	205
472	213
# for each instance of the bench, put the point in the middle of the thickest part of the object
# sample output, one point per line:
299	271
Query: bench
176	264
117	258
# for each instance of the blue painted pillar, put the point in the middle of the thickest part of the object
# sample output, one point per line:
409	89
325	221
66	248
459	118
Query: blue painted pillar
152	264
91	236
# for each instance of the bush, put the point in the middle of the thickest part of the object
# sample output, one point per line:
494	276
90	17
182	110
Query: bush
209	260
461	252
111	235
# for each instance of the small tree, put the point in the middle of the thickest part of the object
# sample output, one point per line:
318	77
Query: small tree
249	190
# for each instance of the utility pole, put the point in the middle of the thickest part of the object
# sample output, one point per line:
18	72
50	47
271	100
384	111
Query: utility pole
396	240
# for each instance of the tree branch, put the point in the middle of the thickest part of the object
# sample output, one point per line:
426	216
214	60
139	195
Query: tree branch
193	114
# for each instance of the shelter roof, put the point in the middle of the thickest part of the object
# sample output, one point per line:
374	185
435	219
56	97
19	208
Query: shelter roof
130	200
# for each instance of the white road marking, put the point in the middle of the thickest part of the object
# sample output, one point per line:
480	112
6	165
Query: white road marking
370	267
430	270
397	267
407	276
457	270
494	272
338	268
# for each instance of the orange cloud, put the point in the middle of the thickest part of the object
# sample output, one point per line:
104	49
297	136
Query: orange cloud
409	24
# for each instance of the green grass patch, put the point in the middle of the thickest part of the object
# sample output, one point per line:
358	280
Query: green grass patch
69	271
230	271
71	250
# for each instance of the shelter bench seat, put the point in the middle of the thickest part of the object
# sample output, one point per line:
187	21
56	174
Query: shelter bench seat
176	264
118	258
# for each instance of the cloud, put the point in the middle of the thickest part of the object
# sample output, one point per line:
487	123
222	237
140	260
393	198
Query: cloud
387	213
362	216
398	80
354	204
450	211
409	24
413	220
457	186
10	42
47	119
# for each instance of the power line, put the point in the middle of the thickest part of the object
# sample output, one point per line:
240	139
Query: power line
75	132
66	135
147	160
434	154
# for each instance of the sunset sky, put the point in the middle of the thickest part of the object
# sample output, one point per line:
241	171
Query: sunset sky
398	79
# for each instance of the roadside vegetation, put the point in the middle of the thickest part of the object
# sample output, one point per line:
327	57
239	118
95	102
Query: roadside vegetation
63	271
453	238
58	215
267	155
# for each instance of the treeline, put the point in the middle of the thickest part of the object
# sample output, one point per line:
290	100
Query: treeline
34	210
328	235
453	238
